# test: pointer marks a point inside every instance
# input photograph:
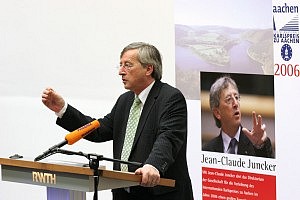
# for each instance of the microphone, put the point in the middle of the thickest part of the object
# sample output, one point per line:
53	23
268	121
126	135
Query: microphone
71	138
81	132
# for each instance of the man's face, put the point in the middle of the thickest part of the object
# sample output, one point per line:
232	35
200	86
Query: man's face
134	75
228	111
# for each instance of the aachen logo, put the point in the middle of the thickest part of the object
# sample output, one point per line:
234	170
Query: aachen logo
288	33
286	52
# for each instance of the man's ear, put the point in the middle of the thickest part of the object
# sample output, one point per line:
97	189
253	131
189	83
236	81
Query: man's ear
150	69
216	113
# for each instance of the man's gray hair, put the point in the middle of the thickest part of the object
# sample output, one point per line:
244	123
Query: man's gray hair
147	55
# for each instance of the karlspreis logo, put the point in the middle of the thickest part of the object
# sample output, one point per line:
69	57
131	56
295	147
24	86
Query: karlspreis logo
289	32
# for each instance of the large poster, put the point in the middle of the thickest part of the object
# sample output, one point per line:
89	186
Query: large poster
254	44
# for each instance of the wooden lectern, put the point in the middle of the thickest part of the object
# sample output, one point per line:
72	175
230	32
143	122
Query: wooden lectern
67	182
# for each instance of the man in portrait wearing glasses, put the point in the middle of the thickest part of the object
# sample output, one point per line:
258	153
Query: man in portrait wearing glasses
154	134
224	99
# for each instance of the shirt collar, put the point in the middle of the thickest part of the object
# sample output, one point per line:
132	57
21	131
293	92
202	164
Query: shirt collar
144	94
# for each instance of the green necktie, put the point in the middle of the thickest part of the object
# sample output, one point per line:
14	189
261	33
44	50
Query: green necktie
133	119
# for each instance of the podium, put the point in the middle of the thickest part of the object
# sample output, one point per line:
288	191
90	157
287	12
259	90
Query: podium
67	182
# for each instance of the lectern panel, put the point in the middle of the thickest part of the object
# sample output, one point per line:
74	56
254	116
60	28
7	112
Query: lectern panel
70	181
54	179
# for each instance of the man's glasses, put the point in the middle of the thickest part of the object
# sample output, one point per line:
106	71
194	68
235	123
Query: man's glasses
126	66
230	99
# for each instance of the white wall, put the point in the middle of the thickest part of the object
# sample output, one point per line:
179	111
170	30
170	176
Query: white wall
72	46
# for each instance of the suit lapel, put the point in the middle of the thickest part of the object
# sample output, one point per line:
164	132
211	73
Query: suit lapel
219	147
245	146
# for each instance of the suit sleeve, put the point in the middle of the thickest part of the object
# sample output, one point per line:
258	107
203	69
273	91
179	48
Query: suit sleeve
74	119
266	150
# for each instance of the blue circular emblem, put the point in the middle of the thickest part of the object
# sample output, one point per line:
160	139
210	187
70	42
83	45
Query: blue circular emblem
286	52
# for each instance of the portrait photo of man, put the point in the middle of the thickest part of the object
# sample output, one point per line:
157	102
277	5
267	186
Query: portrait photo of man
237	112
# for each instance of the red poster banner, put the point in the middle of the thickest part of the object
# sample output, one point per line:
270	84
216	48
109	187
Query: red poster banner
235	185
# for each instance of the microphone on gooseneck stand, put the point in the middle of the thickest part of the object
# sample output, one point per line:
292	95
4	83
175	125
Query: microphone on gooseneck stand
71	138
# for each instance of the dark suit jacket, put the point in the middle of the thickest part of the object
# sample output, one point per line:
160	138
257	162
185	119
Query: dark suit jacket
245	147
160	140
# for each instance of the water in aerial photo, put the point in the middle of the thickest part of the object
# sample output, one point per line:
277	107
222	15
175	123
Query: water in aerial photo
209	37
